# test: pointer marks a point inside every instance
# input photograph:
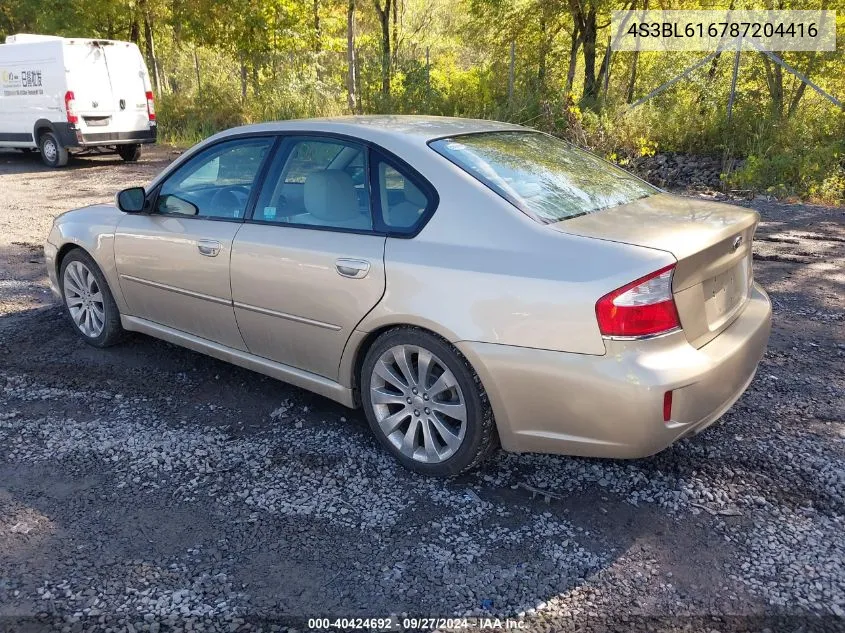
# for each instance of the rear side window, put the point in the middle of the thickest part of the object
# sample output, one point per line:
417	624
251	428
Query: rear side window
318	183
547	178
403	201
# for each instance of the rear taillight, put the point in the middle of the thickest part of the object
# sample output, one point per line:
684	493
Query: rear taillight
151	106
69	104
644	307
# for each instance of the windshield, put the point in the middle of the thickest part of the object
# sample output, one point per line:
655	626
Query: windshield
543	176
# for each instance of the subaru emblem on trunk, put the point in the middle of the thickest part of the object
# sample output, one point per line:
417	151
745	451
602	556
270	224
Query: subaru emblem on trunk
737	242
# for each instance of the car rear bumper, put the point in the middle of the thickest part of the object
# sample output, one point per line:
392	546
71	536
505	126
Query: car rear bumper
70	136
612	405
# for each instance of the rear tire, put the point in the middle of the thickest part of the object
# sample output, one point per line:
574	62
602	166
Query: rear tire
425	404
53	153
88	301
129	153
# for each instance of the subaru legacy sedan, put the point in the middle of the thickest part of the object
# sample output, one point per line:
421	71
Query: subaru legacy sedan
467	283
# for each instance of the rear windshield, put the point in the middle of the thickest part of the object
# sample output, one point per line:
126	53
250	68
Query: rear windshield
543	176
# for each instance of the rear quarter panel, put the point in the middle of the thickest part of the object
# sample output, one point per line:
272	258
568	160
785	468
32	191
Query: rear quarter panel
482	271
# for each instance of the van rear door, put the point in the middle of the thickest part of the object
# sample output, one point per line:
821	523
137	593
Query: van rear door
129	84
109	82
88	80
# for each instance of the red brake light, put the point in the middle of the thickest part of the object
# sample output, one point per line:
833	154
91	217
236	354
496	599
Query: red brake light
69	104
644	307
151	106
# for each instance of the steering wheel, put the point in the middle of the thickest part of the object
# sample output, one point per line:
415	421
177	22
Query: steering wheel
242	188
226	204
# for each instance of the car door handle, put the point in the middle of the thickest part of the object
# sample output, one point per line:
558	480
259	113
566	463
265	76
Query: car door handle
209	248
354	268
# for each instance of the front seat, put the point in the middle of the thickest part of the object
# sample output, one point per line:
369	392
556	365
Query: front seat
330	199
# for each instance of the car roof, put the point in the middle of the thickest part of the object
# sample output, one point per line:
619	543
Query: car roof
381	127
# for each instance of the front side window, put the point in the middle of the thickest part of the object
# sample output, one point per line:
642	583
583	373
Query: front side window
548	178
317	182
216	183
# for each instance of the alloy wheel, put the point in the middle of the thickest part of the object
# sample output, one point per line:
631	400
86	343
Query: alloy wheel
84	299
418	403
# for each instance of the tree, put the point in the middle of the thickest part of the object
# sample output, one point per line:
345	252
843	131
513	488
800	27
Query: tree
384	11
351	69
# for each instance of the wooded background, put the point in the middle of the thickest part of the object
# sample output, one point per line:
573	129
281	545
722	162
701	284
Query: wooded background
545	63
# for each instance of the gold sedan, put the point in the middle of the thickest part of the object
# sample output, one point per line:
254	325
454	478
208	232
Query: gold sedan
467	283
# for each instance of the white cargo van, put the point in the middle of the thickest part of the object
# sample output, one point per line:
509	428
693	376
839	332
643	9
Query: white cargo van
67	94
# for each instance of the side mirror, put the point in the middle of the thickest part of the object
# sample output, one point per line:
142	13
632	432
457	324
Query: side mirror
131	200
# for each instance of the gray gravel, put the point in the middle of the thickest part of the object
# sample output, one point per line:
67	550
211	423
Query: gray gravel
146	487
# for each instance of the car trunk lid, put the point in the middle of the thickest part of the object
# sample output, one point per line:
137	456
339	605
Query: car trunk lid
710	240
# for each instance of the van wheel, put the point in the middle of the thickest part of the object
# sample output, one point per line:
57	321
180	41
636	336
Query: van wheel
129	153
52	152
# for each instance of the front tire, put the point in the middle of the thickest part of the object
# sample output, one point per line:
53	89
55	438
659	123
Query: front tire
129	153
88	301
53	153
425	404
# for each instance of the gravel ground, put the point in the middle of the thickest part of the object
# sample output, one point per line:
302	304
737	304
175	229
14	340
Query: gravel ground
146	487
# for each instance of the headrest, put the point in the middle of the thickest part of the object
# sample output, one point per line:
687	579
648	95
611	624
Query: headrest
330	195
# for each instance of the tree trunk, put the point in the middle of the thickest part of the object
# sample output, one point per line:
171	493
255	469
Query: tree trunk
243	79
604	71
589	45
134	29
511	72
774	81
573	59
395	51
799	91
197	69
541	57
359	105
150	44
384	20
632	78
351	97
318	39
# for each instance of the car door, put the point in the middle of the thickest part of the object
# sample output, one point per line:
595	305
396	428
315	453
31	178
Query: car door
173	262
308	266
